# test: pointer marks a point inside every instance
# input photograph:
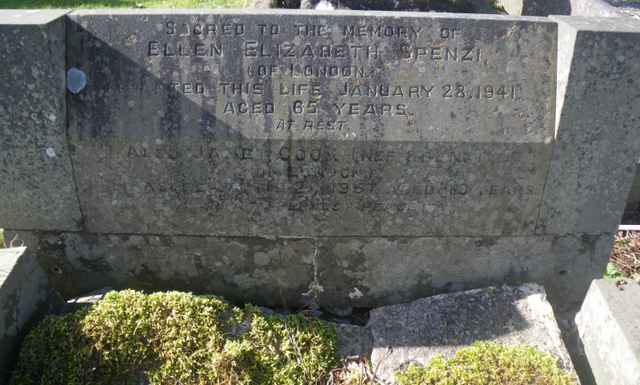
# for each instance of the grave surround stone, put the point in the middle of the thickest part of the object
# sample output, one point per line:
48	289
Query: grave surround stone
366	157
609	330
416	332
37	189
25	296
596	134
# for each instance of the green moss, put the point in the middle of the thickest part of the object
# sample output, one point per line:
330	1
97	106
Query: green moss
175	338
612	271
487	363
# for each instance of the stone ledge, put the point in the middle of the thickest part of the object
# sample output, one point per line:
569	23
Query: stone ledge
275	272
30	16
609	327
24	295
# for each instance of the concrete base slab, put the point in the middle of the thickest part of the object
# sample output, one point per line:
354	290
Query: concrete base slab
416	332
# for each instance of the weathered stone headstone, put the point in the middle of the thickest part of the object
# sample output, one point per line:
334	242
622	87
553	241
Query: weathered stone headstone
396	134
360	158
36	189
300	125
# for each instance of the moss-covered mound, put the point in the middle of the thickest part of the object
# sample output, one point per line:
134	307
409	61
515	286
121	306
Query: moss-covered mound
487	363
131	338
175	338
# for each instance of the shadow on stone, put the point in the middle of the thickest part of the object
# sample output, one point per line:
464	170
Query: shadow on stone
416	332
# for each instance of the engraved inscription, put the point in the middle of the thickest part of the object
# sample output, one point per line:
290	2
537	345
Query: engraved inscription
239	124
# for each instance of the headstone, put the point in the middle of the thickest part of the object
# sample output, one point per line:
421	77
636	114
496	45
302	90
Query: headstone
345	125
349	129
37	189
609	327
358	158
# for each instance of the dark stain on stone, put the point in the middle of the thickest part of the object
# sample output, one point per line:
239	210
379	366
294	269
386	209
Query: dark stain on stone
588	243
95	265
517	275
51	254
486	242
166	240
